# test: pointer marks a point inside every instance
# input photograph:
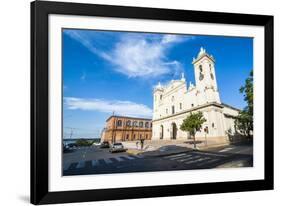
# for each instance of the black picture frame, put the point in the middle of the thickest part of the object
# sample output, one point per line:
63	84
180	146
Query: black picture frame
39	102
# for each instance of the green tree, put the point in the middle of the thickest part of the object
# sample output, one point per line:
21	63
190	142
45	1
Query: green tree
192	124
244	121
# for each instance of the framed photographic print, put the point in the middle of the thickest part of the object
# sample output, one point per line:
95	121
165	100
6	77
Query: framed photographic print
131	102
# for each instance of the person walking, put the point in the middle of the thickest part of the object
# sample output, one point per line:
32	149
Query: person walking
142	142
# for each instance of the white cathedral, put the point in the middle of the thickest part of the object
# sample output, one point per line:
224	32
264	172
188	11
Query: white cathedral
175	101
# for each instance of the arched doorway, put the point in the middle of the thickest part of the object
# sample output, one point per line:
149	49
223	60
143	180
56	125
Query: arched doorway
174	131
161	132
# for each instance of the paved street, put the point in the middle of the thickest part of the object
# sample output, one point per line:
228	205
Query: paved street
93	160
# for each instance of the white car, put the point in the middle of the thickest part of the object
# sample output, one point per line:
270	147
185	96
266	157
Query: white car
117	147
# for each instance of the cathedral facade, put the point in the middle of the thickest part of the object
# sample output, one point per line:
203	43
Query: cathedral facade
173	102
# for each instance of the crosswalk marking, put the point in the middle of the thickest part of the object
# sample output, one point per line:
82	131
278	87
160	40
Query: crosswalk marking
119	159
197	160
108	161
185	158
130	157
80	165
94	163
209	154
66	166
139	156
180	157
176	155
226	149
194	160
210	161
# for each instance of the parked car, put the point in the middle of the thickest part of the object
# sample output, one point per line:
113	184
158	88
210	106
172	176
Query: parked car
66	148
104	144
72	145
117	147
96	143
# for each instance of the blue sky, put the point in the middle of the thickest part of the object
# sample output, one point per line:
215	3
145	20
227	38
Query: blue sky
106	72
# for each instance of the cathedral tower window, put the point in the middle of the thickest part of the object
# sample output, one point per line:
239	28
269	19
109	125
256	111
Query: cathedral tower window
173	109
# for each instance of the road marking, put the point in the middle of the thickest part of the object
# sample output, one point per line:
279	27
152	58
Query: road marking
193	160
209	154
208	162
119	159
180	157
130	157
80	165
108	161
226	149
176	155
185	158
66	166
95	163
139	156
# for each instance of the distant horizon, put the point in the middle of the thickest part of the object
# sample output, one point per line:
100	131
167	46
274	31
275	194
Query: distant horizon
107	72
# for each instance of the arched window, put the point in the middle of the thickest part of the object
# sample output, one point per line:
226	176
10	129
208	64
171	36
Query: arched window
128	123
119	123
160	96
200	68
147	125
173	109
141	124
135	123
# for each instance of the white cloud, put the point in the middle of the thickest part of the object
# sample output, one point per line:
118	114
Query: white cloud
137	55
126	108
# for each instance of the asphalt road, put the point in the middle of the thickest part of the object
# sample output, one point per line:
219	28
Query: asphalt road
93	160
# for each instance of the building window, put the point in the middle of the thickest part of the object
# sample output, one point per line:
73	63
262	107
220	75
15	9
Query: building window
173	98
135	123
200	68
119	123
140	136
210	67
180	105
147	125
127	136
192	105
128	123
146	136
134	136
213	125
141	124
166	111
160	96
173	109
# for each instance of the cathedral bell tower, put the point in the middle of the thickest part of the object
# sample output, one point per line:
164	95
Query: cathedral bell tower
205	78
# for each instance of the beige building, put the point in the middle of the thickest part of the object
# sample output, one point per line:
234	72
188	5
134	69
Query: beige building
174	101
121	128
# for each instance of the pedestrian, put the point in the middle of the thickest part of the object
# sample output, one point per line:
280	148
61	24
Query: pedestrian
142	142
137	144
